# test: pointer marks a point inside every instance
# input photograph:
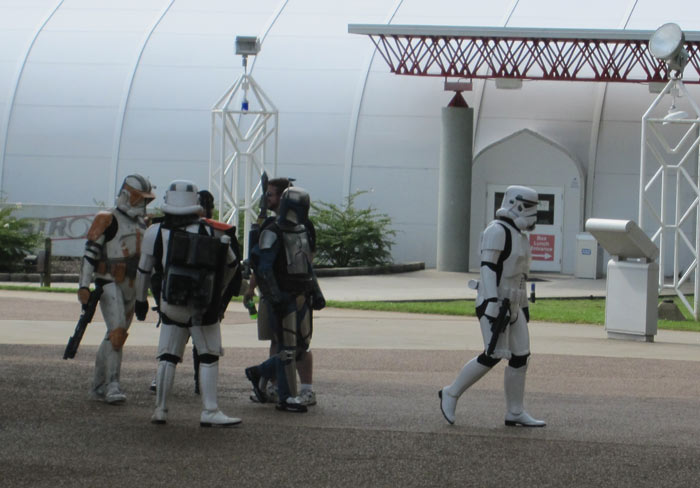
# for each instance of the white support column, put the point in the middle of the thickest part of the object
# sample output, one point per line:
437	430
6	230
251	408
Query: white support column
455	182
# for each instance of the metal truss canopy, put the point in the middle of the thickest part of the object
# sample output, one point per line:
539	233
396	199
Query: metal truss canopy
527	54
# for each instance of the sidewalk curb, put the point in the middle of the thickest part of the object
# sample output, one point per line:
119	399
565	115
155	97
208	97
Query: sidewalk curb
320	272
370	270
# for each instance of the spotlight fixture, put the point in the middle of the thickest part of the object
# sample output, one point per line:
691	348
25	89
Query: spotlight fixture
666	44
674	114
246	46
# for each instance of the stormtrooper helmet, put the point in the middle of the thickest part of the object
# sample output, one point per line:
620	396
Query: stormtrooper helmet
294	205
182	198
134	195
520	205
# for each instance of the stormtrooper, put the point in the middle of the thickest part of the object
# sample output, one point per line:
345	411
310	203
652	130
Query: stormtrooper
111	258
196	263
282	262
505	262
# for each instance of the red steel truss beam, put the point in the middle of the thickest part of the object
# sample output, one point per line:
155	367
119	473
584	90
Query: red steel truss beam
526	54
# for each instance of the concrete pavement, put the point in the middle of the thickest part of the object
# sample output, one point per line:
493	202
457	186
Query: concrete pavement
619	413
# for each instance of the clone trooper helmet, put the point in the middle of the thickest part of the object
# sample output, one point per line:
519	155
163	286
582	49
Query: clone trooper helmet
294	205
134	195
520	205
182	198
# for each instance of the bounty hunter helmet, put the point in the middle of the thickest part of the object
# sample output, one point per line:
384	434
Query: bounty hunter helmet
294	205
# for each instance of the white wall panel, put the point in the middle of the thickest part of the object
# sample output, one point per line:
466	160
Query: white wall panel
85	85
102	20
591	14
323	181
387	192
55	179
319	139
23	16
51	131
395	141
61	47
66	106
453	12
166	135
191	88
311	90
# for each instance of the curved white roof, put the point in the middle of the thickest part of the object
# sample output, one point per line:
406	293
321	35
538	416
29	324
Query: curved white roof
92	90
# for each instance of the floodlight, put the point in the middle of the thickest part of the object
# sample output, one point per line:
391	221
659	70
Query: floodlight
666	44
247	45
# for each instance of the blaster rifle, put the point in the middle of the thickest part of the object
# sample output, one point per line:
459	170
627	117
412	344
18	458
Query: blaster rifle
499	325
86	316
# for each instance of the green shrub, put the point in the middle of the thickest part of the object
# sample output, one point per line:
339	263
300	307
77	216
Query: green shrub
347	236
16	239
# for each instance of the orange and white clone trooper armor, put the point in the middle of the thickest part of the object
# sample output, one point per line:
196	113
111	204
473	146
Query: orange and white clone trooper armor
110	260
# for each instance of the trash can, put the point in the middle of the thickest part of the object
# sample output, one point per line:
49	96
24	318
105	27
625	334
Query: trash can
589	257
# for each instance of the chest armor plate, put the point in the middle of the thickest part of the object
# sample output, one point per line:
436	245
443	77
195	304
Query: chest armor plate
297	251
127	241
517	265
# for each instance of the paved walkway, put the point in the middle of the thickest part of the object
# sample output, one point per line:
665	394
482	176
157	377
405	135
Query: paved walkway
619	413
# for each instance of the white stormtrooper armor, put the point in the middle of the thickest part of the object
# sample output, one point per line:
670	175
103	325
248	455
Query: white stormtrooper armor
111	258
505	262
189	304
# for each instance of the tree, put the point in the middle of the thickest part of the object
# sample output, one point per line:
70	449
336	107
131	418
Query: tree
347	236
16	239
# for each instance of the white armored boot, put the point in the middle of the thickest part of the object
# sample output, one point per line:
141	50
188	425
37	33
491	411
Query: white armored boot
211	415
164	383
99	380
113	392
514	386
472	372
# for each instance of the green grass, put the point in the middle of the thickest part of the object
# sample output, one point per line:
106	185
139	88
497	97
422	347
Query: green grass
571	311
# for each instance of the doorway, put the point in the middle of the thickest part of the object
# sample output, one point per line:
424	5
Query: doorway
546	239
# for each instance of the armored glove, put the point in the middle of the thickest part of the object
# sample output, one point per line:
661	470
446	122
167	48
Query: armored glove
141	309
318	302
83	295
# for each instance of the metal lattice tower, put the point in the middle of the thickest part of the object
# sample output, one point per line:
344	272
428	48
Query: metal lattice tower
670	170
244	126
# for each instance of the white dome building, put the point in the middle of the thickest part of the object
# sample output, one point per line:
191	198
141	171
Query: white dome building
93	90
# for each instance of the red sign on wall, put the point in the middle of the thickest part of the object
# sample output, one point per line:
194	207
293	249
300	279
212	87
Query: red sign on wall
542	247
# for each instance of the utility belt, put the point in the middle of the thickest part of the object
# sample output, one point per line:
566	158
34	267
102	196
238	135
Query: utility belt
119	268
168	321
296	286
517	297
